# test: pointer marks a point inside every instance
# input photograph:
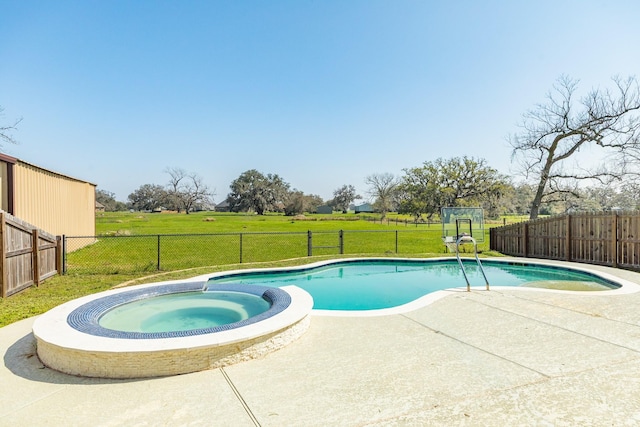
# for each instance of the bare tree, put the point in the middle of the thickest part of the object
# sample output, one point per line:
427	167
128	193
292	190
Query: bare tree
382	188
194	192
185	190
5	130
176	177
553	132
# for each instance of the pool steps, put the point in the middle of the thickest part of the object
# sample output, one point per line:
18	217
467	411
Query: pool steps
465	239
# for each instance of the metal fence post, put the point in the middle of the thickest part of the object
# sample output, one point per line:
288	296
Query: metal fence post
59	254
158	252
309	244
64	254
341	238
240	248
396	241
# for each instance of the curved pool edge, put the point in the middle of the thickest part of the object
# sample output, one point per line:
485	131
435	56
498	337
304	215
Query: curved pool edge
626	286
65	349
604	272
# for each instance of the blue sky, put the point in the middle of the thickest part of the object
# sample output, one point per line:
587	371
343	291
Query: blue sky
322	93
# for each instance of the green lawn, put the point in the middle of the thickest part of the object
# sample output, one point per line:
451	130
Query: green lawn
147	242
205	242
137	223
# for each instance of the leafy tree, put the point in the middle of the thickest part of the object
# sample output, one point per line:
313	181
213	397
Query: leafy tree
311	202
602	197
493	202
294	204
455	182
185	191
343	196
297	203
628	196
552	134
148	197
107	199
5	130
624	197
418	191
383	188
109	202
520	198
253	191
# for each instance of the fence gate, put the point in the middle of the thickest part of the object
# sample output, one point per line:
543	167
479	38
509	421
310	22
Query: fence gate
322	242
27	255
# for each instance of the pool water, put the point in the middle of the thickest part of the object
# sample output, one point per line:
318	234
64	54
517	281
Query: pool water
378	284
184	311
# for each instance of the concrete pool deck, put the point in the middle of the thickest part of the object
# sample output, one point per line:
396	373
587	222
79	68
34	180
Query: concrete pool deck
503	357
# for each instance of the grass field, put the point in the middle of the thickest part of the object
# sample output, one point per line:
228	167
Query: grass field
137	223
205	242
139	242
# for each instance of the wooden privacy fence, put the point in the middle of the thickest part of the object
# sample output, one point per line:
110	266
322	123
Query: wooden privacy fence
607	238
27	255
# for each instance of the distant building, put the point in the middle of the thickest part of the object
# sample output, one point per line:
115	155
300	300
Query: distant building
99	207
223	206
363	208
324	209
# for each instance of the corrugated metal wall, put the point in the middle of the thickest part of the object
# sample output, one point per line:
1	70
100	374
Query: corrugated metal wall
4	193
53	202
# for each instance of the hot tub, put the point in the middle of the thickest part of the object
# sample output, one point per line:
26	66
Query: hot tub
75	338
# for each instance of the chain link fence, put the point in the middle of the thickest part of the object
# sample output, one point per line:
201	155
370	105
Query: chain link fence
167	252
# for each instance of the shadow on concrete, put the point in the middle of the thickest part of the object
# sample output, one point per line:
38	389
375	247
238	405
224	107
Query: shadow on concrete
22	360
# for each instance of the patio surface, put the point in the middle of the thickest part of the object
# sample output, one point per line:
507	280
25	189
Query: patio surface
503	357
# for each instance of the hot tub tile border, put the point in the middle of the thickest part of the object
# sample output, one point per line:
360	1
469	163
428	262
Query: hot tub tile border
86	317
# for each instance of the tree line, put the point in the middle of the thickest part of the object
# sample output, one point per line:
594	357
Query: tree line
184	192
421	192
545	151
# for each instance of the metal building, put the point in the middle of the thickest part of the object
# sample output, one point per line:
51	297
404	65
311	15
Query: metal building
53	202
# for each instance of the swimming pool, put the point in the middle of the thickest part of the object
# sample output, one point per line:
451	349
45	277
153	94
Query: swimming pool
374	284
70	338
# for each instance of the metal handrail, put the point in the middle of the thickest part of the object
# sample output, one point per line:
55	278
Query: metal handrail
475	251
